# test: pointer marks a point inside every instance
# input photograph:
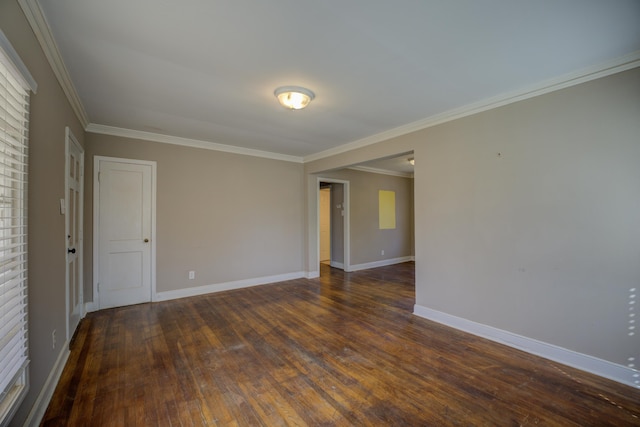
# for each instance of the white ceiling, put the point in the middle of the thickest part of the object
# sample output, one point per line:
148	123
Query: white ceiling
206	69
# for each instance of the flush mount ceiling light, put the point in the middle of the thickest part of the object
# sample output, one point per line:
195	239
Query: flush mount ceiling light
294	97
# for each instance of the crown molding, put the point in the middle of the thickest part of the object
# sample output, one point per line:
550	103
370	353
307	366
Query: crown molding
38	22
381	171
187	142
584	75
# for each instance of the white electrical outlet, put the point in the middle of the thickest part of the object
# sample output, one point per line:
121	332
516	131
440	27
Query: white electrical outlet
192	275
53	340
382	252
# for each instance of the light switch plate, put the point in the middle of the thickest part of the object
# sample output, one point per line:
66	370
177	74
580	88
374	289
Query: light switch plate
63	207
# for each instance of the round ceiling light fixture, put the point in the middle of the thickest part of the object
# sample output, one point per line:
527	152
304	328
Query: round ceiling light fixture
294	97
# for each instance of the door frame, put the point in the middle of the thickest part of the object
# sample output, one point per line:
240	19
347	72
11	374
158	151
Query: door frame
96	221
346	231
69	138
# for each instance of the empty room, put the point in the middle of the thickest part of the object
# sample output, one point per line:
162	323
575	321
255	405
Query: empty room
319	213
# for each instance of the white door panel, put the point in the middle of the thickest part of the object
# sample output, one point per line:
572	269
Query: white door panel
125	231
74	171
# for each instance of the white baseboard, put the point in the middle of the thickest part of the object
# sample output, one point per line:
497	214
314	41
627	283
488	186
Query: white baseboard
336	264
44	397
90	307
312	274
218	287
603	368
381	263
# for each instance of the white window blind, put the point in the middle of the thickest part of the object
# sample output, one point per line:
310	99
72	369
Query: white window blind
14	126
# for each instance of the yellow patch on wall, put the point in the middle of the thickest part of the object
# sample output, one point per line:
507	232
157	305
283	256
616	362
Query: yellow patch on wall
387	209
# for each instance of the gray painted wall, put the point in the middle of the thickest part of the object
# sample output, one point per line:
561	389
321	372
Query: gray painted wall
367	240
542	240
227	216
50	113
337	223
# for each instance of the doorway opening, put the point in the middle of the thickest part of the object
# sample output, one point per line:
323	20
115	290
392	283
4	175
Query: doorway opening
325	223
333	223
371	247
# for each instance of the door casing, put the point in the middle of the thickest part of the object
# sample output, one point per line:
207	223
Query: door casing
346	227
71	143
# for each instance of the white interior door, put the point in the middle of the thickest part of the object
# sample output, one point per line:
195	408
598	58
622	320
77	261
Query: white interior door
125	229
74	173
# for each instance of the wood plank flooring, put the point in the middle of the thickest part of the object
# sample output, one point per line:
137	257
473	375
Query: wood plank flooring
342	350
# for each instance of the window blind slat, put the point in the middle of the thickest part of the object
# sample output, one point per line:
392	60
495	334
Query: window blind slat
15	142
12	328
13	265
12	303
12	95
8	147
17	109
9	184
14	358
10	121
14	161
9	247
8	276
12	337
14	130
18	112
11	158
11	289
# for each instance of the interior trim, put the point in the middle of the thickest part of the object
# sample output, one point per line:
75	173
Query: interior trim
381	171
38	22
187	142
46	393
581	361
42	30
608	68
381	263
226	286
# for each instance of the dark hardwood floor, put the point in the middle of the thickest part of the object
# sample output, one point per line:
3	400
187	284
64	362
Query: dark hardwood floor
342	350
